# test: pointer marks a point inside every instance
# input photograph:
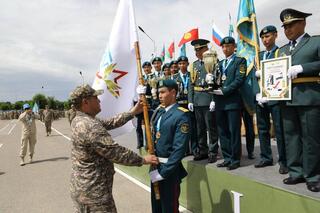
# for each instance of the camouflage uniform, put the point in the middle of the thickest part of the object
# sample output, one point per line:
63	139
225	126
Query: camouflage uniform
48	118
71	114
93	154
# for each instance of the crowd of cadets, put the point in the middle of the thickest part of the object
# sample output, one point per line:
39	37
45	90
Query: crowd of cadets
218	113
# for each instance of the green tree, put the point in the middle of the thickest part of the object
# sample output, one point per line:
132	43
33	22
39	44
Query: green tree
40	99
18	105
5	106
52	102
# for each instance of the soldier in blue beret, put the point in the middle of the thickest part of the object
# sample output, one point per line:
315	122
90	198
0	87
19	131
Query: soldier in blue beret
265	109
173	66
157	63
201	102
229	104
301	115
166	71
171	133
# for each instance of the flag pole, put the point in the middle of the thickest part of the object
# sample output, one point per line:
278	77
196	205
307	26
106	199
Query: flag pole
256	46
146	114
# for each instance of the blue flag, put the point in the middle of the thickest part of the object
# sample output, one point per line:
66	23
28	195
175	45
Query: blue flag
248	47
183	50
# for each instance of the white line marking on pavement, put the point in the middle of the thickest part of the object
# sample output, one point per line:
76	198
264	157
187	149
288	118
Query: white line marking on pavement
135	181
12	129
4	127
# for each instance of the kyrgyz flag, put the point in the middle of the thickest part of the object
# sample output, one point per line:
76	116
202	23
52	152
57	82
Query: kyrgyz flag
189	36
117	74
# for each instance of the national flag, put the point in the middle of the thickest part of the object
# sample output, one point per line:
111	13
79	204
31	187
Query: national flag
217	35
163	53
183	51
117	74
35	108
248	47
189	36
171	50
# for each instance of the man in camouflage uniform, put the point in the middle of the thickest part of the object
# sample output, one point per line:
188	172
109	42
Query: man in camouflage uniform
94	152
29	131
48	117
71	113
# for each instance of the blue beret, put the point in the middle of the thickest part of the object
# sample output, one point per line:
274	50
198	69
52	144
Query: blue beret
146	63
26	106
182	58
268	29
156	59
173	62
170	84
289	15
227	40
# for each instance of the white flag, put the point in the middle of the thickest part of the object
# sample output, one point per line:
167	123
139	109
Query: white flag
117	75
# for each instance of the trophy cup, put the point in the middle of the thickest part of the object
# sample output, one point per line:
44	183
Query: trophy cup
213	77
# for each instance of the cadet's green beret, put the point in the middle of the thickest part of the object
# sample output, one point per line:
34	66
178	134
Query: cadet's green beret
146	63
166	65
83	91
172	62
182	58
170	84
289	15
268	29
156	59
227	40
199	43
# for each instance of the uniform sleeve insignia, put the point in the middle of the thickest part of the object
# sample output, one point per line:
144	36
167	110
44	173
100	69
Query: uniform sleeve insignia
183	109
184	128
242	69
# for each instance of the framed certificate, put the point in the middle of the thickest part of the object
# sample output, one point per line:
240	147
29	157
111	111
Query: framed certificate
275	85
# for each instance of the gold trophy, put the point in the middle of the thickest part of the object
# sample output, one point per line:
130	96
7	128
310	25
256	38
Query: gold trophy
213	77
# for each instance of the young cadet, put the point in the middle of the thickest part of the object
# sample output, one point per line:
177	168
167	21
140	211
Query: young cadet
229	104
201	101
183	81
157	63
301	115
264	109
170	131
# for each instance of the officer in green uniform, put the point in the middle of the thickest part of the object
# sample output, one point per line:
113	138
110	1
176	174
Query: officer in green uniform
183	80
229	104
264	109
170	131
301	115
201	102
174	69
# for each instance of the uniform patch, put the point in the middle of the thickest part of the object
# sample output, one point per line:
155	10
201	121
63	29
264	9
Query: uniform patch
183	109
242	68
184	128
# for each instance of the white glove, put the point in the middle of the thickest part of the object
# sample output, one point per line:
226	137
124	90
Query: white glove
217	92
258	73
261	100
212	106
190	106
141	90
209	77
293	71
155	176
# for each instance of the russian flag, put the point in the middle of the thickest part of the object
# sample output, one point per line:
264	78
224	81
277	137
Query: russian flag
217	35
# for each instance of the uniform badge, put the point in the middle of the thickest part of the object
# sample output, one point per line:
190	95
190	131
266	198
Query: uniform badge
184	128
158	135
242	69
224	77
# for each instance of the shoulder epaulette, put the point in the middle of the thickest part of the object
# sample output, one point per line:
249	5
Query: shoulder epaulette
183	109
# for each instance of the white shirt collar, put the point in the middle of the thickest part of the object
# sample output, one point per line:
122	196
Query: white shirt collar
299	39
169	107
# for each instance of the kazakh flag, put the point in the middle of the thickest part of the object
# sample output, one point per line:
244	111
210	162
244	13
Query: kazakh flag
248	47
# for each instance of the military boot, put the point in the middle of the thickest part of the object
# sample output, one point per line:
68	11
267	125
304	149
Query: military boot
22	163
30	161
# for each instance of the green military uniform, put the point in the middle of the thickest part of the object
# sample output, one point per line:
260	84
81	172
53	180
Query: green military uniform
263	119
170	132
301	115
228	107
201	98
183	81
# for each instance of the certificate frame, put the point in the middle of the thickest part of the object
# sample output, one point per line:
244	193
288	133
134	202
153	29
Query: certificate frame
275	84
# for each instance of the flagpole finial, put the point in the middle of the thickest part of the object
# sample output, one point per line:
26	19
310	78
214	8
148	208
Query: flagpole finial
80	72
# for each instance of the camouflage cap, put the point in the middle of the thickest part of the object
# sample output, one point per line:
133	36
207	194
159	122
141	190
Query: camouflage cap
83	91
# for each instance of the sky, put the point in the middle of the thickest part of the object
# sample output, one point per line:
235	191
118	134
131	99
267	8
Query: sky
45	44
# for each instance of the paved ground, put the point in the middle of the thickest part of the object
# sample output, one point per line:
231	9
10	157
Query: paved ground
43	186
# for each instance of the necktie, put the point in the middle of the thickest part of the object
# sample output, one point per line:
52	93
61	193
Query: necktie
267	55
293	45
